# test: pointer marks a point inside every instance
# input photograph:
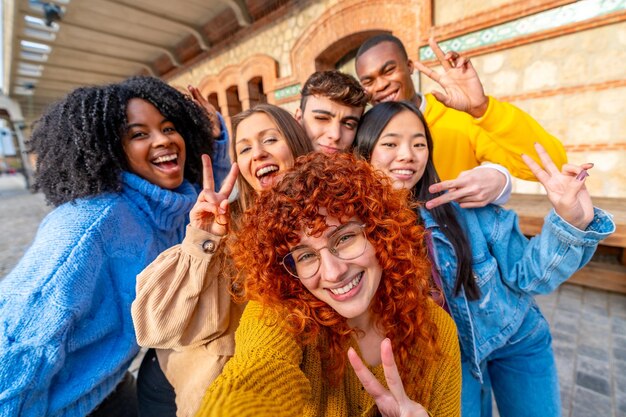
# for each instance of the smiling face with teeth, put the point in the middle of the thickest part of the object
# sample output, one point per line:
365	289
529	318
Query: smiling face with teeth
385	73
348	286
401	150
262	152
154	149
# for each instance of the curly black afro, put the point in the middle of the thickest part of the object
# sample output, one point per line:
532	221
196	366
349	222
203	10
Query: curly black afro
78	142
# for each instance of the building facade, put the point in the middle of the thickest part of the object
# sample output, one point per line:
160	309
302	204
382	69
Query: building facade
561	61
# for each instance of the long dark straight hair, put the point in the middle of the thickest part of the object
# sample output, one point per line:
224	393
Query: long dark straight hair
370	128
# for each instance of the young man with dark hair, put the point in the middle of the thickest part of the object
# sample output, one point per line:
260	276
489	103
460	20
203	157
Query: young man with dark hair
468	127
331	106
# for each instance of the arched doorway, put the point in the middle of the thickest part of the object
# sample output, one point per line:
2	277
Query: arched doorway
350	21
341	53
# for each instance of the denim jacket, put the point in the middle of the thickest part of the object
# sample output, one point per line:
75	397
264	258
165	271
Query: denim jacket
508	269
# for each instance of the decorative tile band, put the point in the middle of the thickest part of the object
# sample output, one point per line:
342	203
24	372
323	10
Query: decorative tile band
550	19
597	147
290	91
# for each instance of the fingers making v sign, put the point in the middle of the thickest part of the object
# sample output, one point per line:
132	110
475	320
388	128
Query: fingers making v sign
566	188
211	211
463	90
392	402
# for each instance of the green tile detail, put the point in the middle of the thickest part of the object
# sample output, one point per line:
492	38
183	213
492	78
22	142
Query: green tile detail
549	19
290	91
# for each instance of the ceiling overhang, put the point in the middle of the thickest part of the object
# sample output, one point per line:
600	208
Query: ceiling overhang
58	45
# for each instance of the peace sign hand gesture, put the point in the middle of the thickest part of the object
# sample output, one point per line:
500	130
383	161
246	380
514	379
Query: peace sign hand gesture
210	213
463	89
566	188
393	402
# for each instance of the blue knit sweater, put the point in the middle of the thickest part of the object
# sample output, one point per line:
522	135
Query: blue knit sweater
220	159
66	334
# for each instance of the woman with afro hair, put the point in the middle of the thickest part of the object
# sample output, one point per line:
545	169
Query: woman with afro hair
119	163
332	262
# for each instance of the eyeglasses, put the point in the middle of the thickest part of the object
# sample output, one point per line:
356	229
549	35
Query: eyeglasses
347	242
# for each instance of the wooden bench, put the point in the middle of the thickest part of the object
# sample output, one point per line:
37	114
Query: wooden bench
607	270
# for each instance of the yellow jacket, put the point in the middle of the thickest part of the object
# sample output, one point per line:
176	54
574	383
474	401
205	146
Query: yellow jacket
272	375
503	133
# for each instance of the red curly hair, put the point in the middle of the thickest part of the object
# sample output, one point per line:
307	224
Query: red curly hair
346	188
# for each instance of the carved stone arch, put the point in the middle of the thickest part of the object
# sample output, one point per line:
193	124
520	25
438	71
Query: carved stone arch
340	49
230	90
239	86
209	85
262	66
229	76
210	88
347	20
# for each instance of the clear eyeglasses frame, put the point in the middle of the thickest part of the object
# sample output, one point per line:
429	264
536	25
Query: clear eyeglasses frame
347	242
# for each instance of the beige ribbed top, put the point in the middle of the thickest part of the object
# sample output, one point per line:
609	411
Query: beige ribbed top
183	309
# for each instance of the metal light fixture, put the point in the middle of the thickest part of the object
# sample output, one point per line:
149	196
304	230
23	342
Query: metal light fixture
52	12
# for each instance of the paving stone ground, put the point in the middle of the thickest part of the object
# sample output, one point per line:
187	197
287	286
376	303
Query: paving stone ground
20	214
588	326
589	340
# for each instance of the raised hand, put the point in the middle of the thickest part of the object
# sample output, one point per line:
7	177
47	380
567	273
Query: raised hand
463	90
471	189
566	188
210	213
394	401
199	99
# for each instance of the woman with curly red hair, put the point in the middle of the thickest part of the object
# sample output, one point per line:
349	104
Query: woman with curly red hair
332	262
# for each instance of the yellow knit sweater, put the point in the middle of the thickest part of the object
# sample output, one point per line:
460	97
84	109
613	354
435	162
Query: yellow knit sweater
272	375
